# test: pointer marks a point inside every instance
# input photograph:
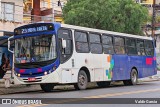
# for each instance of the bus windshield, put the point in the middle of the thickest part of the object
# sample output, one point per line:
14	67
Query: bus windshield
35	49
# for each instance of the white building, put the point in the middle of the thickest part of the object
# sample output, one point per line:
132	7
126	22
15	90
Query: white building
11	15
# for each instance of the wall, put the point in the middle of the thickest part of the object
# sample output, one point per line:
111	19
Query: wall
7	25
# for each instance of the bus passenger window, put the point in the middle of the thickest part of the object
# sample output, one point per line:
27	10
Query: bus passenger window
81	42
107	43
119	45
149	48
95	44
140	47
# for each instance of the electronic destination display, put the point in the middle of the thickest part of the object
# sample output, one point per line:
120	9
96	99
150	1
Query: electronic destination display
32	28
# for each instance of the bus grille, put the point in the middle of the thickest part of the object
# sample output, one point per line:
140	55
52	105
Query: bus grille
38	79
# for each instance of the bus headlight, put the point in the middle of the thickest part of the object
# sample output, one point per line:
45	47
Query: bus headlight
19	75
45	73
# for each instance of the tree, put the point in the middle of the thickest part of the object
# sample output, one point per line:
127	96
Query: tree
114	15
158	19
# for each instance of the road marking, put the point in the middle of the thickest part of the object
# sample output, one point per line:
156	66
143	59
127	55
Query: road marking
97	96
123	93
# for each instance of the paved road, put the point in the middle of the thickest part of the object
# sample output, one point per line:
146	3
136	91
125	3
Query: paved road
142	90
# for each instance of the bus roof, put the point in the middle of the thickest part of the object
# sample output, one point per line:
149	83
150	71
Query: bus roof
104	31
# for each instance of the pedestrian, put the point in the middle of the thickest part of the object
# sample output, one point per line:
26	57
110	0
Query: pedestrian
3	66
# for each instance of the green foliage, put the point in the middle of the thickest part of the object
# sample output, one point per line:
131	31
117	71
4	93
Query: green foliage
115	15
158	19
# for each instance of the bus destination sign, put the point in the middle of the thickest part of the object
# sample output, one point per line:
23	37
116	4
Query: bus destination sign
33	28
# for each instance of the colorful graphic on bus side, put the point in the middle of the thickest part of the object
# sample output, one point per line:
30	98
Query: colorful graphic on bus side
109	71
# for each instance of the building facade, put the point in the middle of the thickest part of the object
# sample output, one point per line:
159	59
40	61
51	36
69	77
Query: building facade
43	10
147	1
11	15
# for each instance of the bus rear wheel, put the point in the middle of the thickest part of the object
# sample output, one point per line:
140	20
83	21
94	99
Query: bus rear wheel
103	84
82	81
48	87
133	78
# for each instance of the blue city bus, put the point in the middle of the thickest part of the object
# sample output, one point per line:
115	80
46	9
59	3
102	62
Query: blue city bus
5	56
50	54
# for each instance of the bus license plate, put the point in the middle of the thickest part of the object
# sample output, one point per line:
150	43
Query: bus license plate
31	79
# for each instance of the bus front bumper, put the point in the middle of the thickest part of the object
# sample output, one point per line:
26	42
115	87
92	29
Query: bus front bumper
49	78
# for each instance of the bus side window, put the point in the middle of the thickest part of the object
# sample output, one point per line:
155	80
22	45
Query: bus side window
81	42
95	43
149	48
140	47
119	45
131	46
139	53
107	43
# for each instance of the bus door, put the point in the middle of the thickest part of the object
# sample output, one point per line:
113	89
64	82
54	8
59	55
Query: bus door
66	50
150	59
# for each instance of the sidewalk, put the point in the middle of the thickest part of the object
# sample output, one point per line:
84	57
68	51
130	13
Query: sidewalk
34	88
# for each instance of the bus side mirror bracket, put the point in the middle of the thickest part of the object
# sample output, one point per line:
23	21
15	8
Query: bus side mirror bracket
9	44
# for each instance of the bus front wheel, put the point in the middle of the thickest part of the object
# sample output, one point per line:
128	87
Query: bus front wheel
133	78
47	87
82	81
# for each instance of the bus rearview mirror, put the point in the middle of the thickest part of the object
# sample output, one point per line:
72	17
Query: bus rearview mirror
64	44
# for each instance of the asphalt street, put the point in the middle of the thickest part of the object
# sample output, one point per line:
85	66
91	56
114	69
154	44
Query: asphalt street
95	96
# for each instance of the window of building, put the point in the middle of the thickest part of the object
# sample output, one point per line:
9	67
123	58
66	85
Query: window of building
95	43
81	42
45	4
7	11
119	45
149	48
107	44
131	46
140	47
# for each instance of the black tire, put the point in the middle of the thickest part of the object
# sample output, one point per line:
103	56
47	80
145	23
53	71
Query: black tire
133	78
82	81
48	87
103	84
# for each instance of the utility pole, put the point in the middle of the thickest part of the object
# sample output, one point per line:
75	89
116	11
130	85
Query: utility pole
53	10
36	11
153	19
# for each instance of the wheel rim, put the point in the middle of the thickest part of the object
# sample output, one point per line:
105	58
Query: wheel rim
82	80
134	77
